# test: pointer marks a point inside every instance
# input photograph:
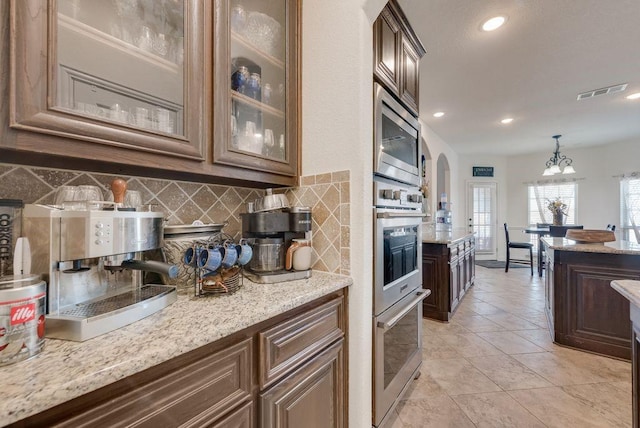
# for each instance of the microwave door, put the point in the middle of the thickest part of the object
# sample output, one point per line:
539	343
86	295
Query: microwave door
398	147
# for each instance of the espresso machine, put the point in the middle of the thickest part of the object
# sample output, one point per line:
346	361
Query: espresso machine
92	260
273	233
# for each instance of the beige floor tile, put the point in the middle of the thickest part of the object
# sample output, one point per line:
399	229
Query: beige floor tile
430	327
436	412
611	403
540	337
476	323
506	311
495	410
509	342
562	370
458	376
469	345
423	387
513	322
557	409
483	308
508	373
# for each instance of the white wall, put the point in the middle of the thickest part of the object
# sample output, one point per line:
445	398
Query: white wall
337	134
436	147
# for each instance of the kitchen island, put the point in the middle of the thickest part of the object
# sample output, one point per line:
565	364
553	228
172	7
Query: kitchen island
448	270
187	331
582	309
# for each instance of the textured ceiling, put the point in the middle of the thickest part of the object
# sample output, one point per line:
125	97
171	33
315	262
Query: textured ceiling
531	69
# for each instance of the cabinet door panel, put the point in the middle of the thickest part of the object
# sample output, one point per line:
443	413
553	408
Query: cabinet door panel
191	396
286	345
311	397
409	86
386	49
73	74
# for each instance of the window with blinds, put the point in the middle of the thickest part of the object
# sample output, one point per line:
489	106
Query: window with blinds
630	209
541	194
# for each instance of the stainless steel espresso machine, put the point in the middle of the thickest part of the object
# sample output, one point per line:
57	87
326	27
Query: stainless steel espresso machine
272	234
92	260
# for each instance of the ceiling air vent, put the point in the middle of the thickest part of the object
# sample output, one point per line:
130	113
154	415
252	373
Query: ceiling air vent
603	91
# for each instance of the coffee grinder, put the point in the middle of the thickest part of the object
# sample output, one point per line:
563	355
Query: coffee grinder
271	233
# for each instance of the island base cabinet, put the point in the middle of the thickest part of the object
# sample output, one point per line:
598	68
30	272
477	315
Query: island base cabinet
311	397
448	270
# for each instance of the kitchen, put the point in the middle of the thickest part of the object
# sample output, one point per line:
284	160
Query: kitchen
350	22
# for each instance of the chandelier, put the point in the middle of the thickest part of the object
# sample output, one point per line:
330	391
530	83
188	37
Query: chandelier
557	160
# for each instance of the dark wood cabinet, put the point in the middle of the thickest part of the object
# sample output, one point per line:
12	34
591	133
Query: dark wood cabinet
448	270
635	318
83	93
583	310
310	397
297	379
397	52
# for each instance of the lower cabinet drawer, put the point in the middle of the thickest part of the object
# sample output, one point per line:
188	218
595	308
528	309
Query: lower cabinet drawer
288	344
194	395
241	418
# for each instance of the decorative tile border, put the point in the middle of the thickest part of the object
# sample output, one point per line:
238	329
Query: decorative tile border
184	202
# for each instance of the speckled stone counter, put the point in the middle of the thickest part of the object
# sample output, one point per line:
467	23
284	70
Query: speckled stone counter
431	236
629	289
615	247
66	370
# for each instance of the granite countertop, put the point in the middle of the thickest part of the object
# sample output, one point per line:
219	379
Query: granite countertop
629	289
431	236
615	247
65	370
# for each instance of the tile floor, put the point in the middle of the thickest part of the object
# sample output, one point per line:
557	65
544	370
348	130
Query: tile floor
494	365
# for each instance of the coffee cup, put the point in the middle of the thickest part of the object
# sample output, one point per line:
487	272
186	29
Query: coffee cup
210	258
299	255
229	254
245	252
190	257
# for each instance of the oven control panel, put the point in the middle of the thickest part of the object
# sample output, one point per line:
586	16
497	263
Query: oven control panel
391	194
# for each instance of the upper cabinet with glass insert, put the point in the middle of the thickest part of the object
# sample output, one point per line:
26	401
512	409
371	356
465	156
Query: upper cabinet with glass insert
120	73
256	122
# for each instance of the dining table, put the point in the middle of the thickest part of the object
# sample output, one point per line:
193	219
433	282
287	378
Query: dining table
540	231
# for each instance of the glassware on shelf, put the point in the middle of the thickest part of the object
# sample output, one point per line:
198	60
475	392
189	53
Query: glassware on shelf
266	93
145	41
263	32
269	142
253	87
238	19
239	79
160	45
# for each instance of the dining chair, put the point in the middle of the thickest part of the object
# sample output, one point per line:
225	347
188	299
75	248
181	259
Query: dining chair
517	245
561	231
542	252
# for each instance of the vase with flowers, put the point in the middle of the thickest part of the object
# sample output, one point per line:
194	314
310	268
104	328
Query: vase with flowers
558	209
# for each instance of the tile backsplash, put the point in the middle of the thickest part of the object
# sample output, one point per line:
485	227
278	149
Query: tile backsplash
184	202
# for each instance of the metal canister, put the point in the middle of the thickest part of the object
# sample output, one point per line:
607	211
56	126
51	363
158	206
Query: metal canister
22	310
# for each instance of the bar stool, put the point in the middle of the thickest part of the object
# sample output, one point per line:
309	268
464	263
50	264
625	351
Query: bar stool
518	245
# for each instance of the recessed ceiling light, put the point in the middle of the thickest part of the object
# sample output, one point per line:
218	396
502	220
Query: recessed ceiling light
438	114
633	96
494	23
507	120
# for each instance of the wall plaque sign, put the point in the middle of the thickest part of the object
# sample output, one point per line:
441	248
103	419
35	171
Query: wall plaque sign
483	171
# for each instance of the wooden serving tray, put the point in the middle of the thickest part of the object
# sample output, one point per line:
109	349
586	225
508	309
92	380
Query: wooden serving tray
590	236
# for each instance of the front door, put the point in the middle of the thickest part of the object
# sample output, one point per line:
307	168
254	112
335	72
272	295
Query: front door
482	215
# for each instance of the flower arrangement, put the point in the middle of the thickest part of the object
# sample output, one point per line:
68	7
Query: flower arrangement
557	206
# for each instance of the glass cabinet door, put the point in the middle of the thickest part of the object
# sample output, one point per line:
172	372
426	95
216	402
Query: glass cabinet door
260	80
123	73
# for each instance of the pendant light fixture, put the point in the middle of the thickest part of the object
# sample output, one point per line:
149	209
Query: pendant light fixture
557	160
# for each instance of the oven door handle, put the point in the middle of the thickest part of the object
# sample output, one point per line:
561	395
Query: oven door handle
420	296
400	215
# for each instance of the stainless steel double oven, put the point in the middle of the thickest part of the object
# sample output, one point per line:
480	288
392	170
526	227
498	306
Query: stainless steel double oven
398	293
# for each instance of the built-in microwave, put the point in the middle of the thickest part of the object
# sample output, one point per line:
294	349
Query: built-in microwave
397	139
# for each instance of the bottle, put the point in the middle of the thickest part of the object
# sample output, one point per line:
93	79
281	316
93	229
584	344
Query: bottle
440	218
